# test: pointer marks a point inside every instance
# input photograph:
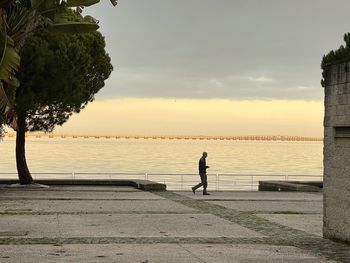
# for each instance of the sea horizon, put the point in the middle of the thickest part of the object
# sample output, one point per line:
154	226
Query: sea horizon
249	137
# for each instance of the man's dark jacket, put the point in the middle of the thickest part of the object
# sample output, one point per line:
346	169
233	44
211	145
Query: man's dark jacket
202	166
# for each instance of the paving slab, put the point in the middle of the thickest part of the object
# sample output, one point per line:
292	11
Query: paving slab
91	206
123	225
311	224
252	253
68	195
29	226
257	195
103	224
156	253
315	207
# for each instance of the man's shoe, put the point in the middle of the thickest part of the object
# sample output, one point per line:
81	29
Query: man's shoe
193	190
205	193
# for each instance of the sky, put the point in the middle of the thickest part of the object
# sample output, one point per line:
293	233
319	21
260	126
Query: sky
224	67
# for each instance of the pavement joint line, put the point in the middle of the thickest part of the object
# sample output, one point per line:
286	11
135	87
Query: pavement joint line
77	199
145	212
283	235
101	212
256	200
134	240
283	212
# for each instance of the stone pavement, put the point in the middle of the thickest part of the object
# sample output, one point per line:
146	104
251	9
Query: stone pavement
122	224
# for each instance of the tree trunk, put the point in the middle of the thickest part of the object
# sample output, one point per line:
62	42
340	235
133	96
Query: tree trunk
24	175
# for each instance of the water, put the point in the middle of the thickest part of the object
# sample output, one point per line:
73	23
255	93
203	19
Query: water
171	158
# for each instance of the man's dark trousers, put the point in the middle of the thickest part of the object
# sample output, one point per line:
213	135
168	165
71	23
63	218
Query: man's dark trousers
203	182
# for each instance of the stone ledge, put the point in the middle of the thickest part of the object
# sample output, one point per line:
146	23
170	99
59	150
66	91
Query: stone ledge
314	186
145	185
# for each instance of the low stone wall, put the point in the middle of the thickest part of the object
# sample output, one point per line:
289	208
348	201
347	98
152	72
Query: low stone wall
145	185
296	186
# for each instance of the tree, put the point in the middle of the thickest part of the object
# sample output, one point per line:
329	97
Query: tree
18	19
59	75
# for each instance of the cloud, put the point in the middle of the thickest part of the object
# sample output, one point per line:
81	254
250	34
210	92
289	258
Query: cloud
164	84
261	79
228	49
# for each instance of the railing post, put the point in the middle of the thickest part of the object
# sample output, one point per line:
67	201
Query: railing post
73	175
252	183
146	176
217	182
182	181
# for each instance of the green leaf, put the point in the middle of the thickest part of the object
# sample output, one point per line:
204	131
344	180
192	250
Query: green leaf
10	61
3	37
74	3
46	8
19	21
6	108
90	19
14	82
3	99
73	27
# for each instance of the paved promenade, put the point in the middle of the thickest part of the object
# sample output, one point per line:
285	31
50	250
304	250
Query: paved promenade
122	224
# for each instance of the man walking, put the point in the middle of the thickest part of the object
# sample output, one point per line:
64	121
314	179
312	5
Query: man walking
202	166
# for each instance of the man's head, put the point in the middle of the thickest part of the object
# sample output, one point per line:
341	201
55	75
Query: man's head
205	154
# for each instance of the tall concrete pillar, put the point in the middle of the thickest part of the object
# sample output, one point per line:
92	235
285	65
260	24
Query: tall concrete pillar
336	182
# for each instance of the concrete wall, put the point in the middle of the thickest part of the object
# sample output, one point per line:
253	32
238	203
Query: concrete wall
337	152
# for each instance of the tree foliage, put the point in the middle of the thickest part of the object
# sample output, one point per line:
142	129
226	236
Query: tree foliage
342	53
336	56
59	75
18	18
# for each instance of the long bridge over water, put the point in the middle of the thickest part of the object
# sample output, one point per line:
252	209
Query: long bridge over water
172	137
